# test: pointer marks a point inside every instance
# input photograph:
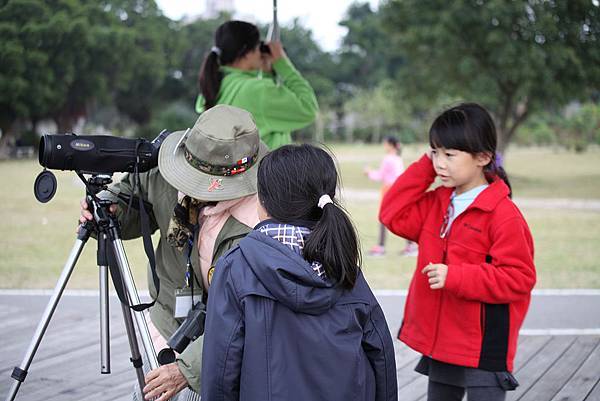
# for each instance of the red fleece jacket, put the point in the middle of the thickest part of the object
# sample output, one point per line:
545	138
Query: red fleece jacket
475	319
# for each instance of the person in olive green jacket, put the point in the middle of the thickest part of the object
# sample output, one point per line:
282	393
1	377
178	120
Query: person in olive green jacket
265	83
209	174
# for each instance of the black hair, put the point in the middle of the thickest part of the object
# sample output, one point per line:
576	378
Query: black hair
392	140
469	127
233	39
291	180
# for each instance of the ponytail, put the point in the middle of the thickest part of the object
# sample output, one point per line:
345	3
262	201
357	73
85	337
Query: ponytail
501	173
334	243
494	170
210	79
233	40
293	182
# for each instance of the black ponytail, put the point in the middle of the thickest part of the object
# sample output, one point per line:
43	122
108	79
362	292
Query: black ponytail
334	243
495	170
291	180
210	79
233	39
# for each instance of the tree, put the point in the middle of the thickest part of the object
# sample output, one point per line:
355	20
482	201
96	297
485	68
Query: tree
378	111
314	63
25	80
515	57
144	71
366	58
57	58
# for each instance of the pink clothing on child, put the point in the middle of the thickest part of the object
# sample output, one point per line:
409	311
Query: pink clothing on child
391	167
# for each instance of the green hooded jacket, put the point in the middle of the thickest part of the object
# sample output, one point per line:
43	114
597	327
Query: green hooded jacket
171	263
278	109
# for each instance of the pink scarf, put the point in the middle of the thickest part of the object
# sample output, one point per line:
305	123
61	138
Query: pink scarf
213	218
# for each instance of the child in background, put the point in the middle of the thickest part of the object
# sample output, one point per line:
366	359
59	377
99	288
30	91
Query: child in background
290	315
391	167
475	272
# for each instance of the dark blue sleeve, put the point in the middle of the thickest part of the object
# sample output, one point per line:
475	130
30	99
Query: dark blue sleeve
223	338
377	344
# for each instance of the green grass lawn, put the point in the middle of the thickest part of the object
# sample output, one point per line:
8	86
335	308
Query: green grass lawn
35	238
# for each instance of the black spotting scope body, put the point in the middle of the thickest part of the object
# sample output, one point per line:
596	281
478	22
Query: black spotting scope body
102	154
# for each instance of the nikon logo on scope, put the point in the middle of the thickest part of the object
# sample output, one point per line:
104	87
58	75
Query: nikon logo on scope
82	144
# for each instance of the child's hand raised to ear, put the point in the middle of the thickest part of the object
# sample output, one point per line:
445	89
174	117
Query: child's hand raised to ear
437	275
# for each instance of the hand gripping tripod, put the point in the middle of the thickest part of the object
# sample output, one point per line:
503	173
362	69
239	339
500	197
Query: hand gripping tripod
107	228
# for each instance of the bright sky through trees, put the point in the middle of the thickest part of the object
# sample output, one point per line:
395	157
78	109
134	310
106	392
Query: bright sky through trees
320	16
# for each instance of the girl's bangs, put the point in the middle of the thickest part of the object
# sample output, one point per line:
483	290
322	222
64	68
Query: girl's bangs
449	135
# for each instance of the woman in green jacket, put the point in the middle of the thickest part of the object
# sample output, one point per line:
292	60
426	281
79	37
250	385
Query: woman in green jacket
266	84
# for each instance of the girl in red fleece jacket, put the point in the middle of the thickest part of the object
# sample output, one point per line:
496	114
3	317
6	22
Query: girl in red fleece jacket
475	272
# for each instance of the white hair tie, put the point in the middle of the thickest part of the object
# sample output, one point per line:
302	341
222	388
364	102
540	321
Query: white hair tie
323	200
216	50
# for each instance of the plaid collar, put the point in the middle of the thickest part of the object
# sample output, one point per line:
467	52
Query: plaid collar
293	237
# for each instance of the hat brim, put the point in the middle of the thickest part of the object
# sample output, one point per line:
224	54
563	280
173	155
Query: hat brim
199	185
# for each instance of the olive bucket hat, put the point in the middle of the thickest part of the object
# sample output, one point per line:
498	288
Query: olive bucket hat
217	159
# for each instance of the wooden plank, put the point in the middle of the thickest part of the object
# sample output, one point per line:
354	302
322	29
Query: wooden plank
406	360
530	346
59	322
404	356
73	377
407	373
84	330
9	310
583	381
539	364
561	370
55	343
594	394
414	390
121	391
119	384
413	385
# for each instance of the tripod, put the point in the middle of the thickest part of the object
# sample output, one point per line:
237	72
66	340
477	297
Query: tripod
107	228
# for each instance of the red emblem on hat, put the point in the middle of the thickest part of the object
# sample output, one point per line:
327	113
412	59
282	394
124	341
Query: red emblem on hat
215	184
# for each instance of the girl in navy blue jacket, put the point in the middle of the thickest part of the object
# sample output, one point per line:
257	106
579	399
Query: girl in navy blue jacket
290	315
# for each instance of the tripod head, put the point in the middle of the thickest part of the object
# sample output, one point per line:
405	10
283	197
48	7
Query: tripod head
100	208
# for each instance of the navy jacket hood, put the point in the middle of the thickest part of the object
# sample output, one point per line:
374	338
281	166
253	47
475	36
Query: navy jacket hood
286	276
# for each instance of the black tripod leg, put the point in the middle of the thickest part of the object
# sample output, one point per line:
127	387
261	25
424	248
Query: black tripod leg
136	358
19	373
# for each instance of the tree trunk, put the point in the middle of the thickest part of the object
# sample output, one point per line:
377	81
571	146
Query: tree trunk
8	136
7	141
509	124
64	123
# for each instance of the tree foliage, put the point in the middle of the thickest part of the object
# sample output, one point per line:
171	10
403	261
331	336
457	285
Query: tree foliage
515	57
66	59
57	57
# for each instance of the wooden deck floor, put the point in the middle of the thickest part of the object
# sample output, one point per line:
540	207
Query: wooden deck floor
66	366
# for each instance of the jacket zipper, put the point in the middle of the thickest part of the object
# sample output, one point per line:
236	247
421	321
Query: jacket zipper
482	318
439	311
